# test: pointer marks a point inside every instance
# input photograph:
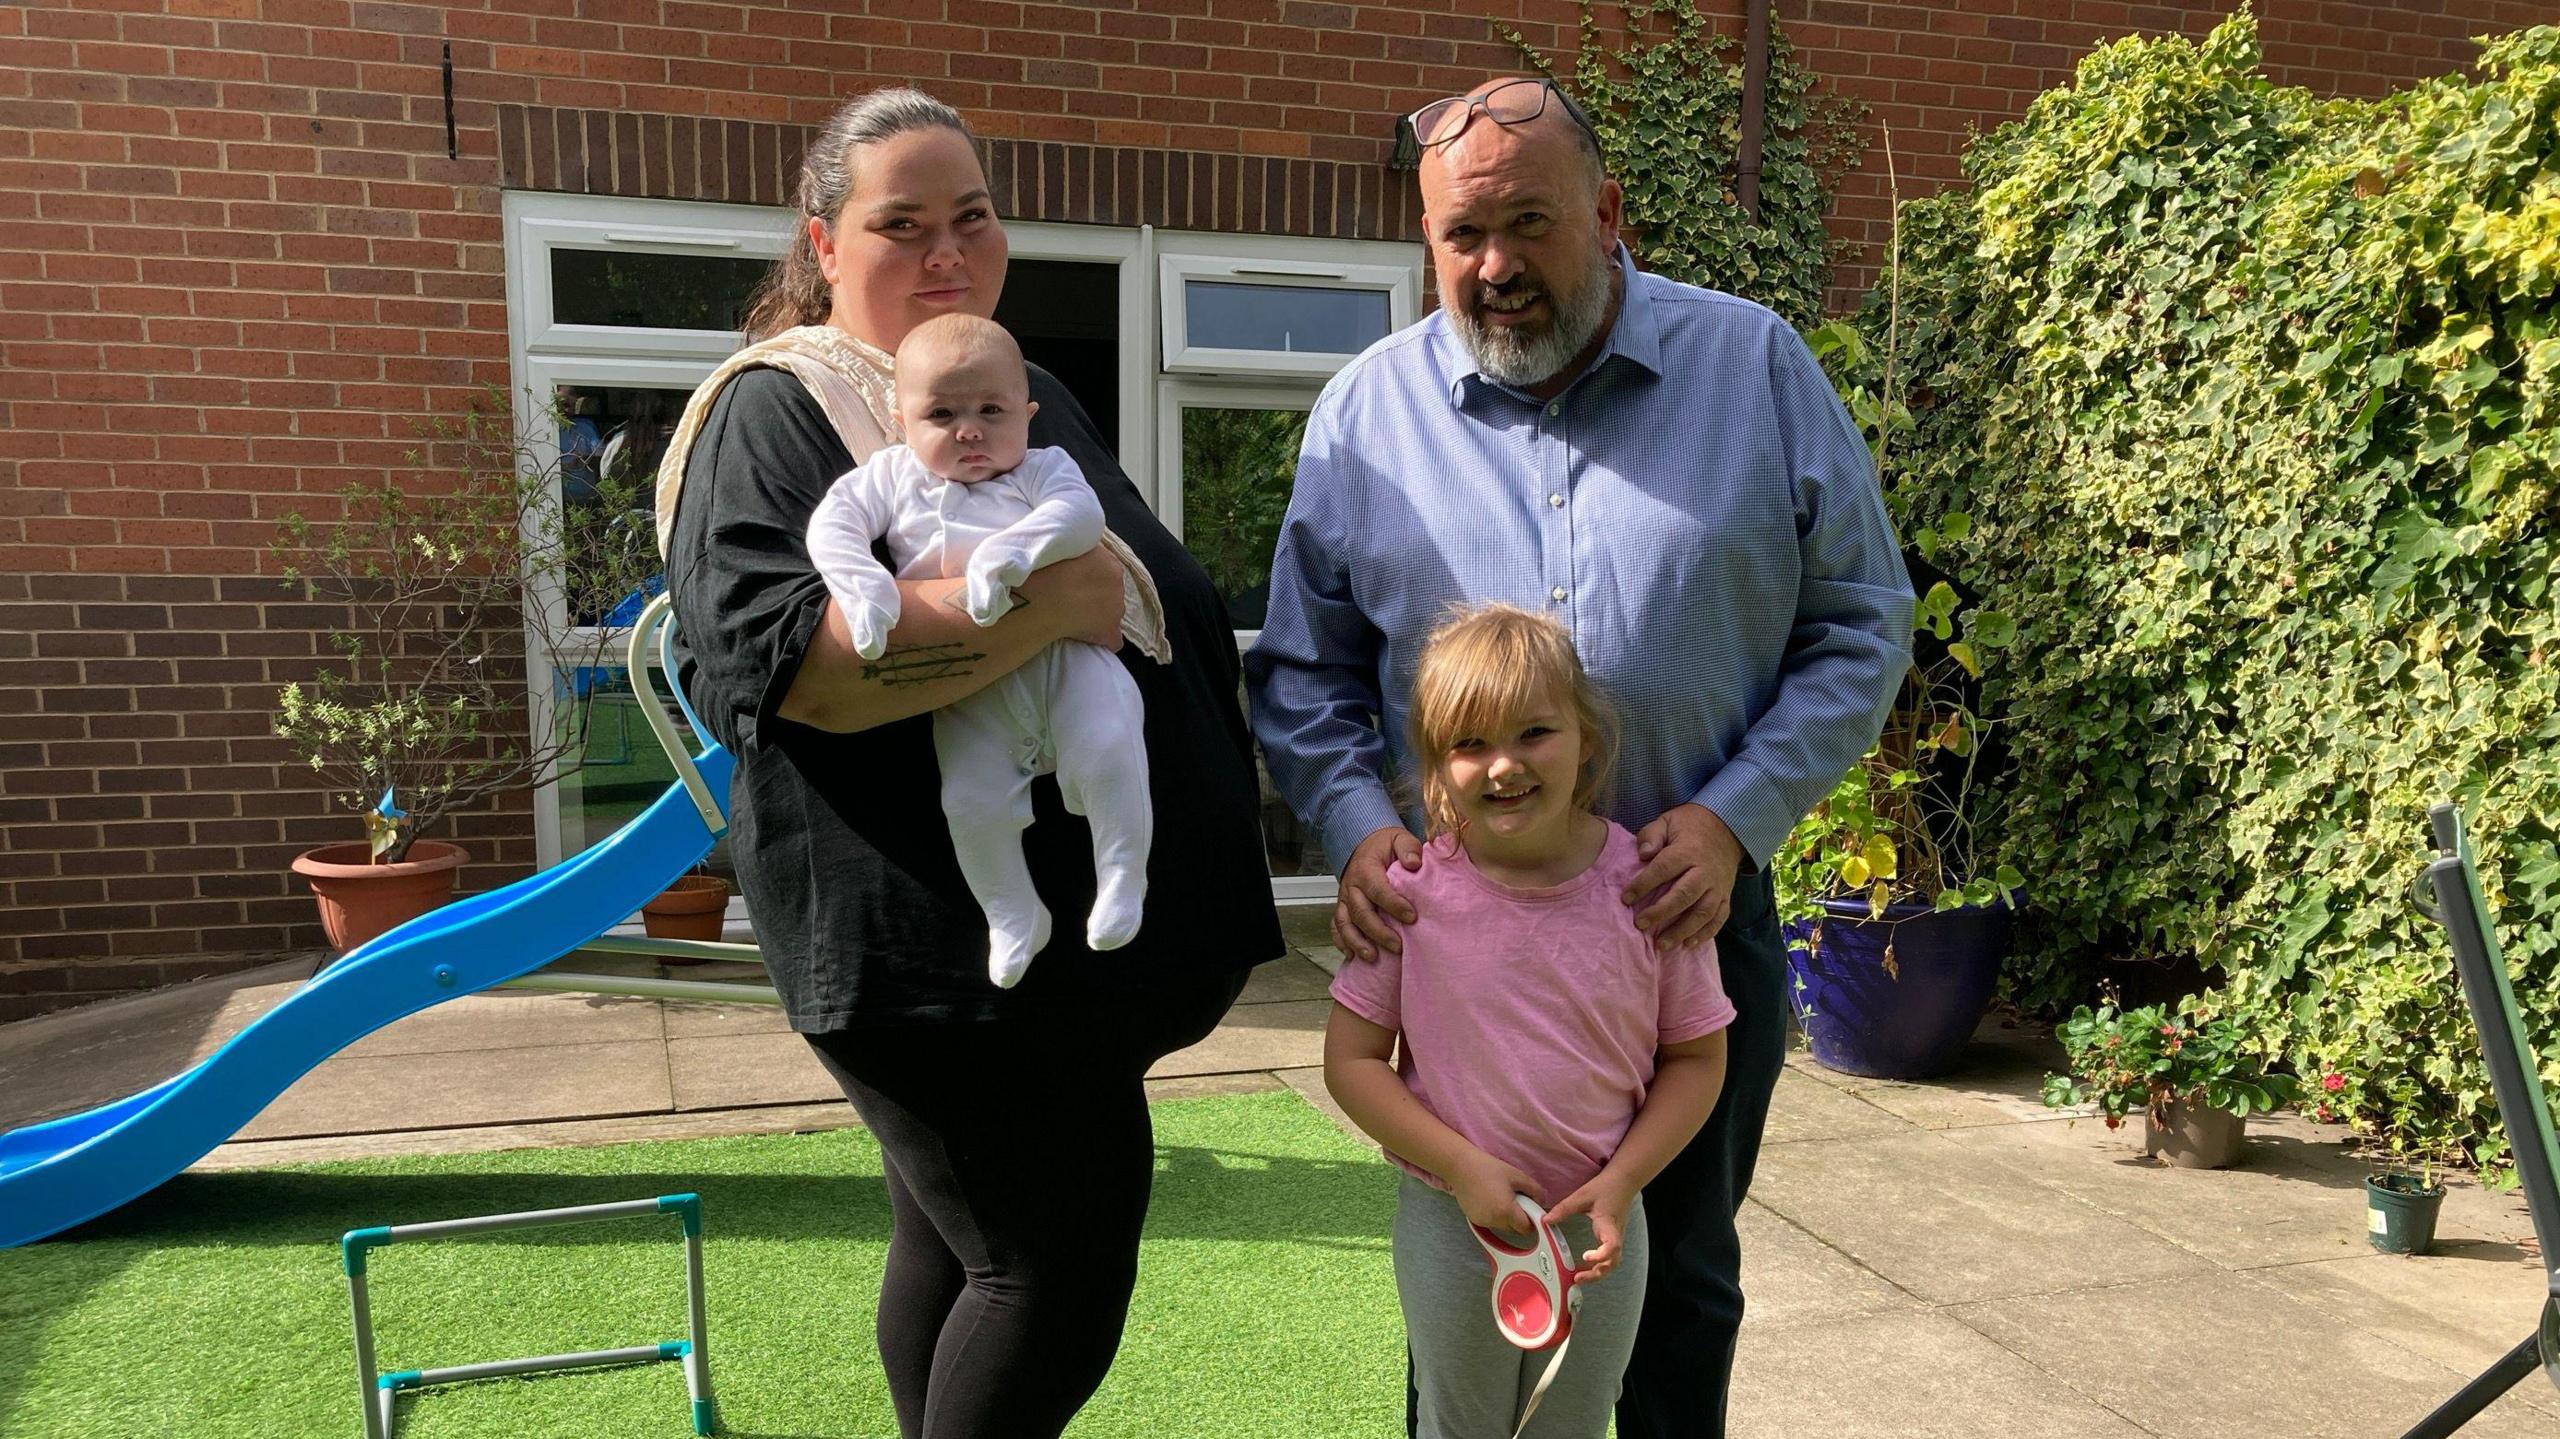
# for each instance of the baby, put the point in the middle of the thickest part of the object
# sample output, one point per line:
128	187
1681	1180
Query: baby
965	497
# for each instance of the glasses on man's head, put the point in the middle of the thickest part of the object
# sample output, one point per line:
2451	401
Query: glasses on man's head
1513	102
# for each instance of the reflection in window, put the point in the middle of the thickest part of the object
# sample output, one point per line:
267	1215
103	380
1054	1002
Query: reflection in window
611	439
1291	847
631	289
1237	466
1288	318
620	768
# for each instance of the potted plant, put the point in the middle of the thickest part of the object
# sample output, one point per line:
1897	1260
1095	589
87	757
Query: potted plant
440	583
696	907
1895	932
1894	935
2191	1073
2405	1193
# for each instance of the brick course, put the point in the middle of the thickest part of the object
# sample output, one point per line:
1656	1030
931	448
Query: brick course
238	264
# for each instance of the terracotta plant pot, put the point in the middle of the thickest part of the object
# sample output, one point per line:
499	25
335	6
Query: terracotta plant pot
696	906
2193	1135
360	900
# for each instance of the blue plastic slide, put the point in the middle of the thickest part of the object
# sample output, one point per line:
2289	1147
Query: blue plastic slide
57	1174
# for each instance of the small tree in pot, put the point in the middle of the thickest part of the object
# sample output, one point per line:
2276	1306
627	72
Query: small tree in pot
447	579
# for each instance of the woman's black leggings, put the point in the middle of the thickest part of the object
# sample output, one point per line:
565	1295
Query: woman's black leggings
1019	1157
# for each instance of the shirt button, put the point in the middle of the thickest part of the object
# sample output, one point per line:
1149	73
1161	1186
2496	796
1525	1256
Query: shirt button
1555	502
1556	594
1555	409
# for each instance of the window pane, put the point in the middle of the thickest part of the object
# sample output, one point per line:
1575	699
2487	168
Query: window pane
621	768
1288	318
629	288
1237	465
611	439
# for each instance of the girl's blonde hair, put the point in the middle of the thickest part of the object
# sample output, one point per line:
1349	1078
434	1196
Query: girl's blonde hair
1491	664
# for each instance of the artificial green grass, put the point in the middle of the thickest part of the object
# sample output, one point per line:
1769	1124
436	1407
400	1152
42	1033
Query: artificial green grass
215	1306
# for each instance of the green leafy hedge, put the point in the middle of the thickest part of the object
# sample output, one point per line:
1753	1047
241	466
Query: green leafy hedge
2254	401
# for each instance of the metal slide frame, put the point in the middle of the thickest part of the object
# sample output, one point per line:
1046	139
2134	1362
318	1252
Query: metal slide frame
2449	892
655	627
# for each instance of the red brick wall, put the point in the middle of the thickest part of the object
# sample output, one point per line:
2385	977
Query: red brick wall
237	265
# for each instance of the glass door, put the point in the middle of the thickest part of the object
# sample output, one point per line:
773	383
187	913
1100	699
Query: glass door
1229	456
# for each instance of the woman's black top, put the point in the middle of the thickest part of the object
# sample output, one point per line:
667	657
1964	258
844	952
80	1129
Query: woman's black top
840	842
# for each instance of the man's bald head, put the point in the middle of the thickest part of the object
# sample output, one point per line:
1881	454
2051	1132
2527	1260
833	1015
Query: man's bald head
1560	138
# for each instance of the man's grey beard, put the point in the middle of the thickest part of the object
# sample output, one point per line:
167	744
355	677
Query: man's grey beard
1508	356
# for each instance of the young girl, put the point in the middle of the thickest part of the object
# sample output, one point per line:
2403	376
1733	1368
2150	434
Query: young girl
1547	1049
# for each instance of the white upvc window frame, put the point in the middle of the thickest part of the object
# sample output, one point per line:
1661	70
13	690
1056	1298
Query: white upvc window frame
1258	379
536	224
1129	252
1184	257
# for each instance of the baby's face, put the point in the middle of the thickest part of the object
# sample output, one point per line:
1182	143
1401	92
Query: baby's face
966	419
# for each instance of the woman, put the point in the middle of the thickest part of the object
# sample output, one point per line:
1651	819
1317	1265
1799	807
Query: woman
1014	1125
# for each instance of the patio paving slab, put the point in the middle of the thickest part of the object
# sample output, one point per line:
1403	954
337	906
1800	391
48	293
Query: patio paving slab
689	1019
2230	1354
1285	1034
743	1071
1945	1258
1950	1224
1794	1279
512	1019
1999	1079
502	1086
1916	1375
77	1059
1804	1108
1289	977
2460	1310
2287	1202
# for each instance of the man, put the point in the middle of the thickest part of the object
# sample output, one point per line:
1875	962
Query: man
1667	470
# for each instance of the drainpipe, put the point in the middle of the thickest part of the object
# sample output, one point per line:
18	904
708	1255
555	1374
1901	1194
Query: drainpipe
1755	101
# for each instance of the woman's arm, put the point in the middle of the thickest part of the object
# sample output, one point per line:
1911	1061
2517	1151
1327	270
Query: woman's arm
1357	1074
937	655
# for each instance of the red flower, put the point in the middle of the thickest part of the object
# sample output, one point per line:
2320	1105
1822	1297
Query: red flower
2333	1081
2321	1114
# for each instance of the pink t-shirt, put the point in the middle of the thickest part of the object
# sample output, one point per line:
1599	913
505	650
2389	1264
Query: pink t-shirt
1530	1017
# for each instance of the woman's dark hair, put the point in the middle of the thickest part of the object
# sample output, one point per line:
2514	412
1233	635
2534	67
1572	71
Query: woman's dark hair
794	291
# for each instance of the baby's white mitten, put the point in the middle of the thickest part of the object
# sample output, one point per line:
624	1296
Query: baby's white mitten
993	572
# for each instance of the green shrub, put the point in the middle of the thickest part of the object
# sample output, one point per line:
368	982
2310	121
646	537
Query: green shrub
2253	401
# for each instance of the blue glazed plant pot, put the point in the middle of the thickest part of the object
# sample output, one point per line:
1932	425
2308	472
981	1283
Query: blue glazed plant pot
1907	1022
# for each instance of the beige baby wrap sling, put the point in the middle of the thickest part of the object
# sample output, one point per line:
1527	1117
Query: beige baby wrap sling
852	383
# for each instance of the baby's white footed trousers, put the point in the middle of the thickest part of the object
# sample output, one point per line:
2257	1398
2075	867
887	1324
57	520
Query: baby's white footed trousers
991	745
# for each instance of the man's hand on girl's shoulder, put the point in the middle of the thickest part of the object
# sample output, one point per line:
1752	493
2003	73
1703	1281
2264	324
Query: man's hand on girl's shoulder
1368	907
1686	886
